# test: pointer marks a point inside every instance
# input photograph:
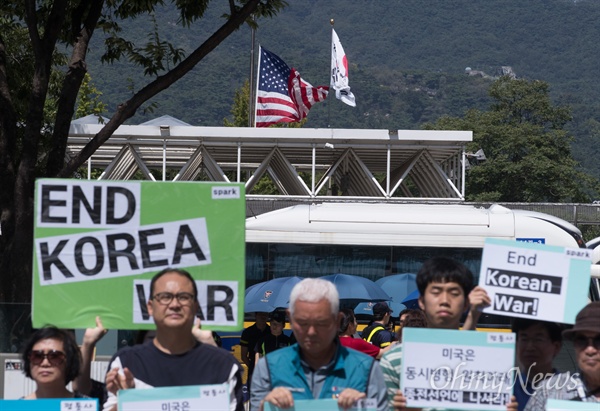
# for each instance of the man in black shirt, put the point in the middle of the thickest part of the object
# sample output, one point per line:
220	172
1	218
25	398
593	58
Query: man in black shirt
275	339
250	337
174	357
377	333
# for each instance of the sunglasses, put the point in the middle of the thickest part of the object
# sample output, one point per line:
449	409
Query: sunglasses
54	357
581	342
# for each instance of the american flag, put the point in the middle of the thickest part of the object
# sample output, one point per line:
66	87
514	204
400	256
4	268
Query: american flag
283	97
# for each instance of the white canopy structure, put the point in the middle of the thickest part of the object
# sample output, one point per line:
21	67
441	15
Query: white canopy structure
349	162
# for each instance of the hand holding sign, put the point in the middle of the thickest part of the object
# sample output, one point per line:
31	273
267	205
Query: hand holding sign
116	381
534	281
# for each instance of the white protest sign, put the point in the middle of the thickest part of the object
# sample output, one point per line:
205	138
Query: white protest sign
188	398
535	281
456	372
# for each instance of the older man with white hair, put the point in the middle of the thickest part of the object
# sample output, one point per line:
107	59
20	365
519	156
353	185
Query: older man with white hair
318	366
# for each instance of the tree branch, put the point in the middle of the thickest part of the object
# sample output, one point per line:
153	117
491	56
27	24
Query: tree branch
71	86
128	109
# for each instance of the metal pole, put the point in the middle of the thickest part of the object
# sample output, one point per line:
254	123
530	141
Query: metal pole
251	98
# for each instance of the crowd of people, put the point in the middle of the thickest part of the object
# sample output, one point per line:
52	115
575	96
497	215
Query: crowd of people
323	358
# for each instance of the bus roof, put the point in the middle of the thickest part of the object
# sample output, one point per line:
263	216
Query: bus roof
428	225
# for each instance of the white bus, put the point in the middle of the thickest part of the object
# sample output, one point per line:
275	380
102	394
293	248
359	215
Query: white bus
374	240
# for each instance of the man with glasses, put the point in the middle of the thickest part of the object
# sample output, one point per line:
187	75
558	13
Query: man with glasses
538	343
174	357
583	385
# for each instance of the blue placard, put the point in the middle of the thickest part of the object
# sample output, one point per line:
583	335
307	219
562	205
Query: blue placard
188	398
564	405
54	404
325	405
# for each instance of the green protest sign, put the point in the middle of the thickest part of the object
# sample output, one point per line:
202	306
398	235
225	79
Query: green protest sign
97	244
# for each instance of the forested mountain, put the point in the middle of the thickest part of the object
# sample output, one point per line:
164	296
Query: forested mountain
407	60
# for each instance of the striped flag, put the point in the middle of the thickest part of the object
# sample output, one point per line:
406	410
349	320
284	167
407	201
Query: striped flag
282	95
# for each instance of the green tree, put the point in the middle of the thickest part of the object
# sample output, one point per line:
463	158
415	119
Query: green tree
88	100
527	148
240	107
38	94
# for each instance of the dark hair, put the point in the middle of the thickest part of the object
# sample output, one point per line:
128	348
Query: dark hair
444	270
406	310
347	319
554	329
415	318
176	271
72	354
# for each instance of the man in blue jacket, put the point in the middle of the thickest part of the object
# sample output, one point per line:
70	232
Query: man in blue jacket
318	366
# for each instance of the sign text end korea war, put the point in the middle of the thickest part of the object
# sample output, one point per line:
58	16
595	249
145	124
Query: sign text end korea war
114	253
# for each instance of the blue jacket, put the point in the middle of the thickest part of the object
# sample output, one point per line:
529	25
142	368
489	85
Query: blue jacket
351	369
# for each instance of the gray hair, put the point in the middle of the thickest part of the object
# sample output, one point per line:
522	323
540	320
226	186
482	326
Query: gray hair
313	290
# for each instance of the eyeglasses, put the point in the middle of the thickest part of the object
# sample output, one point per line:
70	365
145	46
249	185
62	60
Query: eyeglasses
54	357
581	342
166	298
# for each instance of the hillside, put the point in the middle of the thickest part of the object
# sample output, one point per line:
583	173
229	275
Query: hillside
407	60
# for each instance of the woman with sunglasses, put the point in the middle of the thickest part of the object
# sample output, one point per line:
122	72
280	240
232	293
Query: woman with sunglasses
52	359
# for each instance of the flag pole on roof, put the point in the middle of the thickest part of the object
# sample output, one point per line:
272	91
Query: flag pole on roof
339	70
252	95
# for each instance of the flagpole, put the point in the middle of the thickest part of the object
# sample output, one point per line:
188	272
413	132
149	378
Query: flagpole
331	21
256	89
251	97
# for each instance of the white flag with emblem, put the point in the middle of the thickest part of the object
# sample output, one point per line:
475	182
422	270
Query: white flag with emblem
339	71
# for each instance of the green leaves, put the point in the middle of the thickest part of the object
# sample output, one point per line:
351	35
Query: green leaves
527	148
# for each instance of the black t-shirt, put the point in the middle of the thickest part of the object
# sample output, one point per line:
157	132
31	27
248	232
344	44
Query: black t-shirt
203	364
272	342
380	336
250	337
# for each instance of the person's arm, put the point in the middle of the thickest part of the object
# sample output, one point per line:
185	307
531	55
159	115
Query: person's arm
377	387
117	378
390	365
236	387
348	398
382	351
260	385
478	300
83	382
512	405
244	352
203	336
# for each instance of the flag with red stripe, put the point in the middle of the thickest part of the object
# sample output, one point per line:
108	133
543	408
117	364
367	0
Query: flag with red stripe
282	95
